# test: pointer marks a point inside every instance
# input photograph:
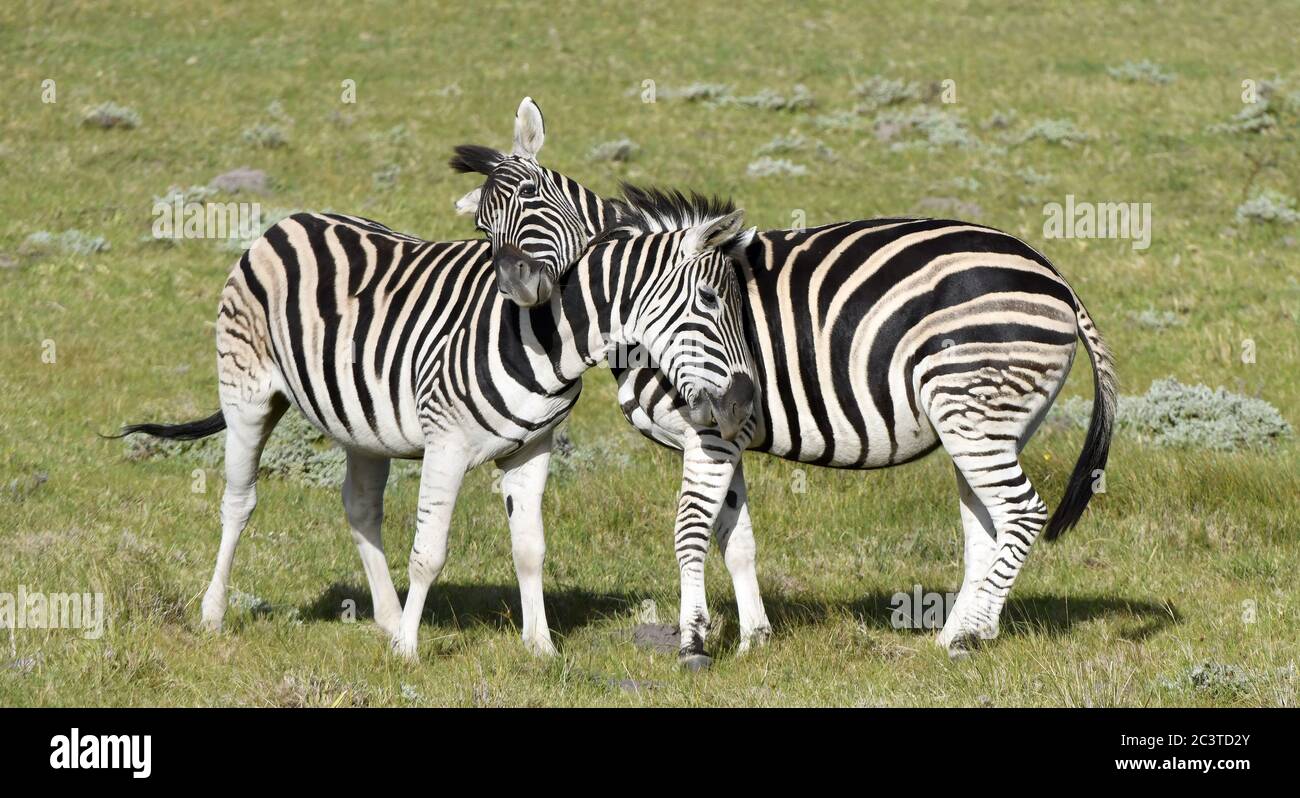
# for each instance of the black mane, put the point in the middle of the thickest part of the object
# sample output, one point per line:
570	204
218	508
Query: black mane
475	158
651	209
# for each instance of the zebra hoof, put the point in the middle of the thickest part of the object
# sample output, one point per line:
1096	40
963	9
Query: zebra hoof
963	645
694	662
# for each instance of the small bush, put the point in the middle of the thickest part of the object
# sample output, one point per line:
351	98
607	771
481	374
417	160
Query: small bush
1173	414
1155	319
773	167
878	91
1055	131
1000	120
1140	72
799	99
931	128
296	451
386	177
1262	116
186	195
69	242
697	92
840	121
779	145
570	460
1270	207
110	115
266	135
1033	177
617	151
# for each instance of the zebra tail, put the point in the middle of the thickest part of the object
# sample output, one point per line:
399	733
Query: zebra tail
1096	447
188	431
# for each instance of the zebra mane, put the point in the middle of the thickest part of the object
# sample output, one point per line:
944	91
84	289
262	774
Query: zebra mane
475	158
656	210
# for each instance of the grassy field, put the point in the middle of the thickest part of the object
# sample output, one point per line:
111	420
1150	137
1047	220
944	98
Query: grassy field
1178	588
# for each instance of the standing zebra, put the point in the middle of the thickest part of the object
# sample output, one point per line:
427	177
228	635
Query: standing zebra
875	342
398	347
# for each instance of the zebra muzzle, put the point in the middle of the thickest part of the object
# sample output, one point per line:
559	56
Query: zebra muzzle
728	410
521	277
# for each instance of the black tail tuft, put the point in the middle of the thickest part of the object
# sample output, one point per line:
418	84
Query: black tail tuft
1096	447
189	431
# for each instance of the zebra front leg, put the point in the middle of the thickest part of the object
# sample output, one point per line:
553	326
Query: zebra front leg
363	502
522	486
980	545
440	478
735	536
708	463
248	425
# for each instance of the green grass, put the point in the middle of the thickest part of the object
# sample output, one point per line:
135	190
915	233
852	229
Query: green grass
1120	612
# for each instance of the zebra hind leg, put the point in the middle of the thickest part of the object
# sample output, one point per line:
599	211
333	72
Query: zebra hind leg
363	502
248	425
1018	514
984	415
980	547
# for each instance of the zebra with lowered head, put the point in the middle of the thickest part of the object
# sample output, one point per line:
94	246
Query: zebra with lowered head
398	347
875	342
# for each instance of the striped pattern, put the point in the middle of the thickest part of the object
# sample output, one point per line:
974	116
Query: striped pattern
398	347
877	341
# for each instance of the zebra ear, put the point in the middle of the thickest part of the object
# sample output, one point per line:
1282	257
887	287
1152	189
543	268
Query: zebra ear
469	203
713	234
530	130
737	246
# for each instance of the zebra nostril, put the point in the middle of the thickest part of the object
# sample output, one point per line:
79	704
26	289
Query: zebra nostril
739	398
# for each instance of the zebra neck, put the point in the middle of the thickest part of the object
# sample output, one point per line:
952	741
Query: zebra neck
589	316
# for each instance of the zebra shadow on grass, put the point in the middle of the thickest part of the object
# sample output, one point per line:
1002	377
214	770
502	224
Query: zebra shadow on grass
459	606
1026	613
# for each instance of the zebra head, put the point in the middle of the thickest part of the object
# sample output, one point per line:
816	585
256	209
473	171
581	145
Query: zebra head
539	221
688	314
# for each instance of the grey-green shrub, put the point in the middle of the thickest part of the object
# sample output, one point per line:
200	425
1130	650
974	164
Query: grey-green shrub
110	115
1143	71
618	151
296	451
1268	206
879	91
774	167
1173	414
69	242
1055	131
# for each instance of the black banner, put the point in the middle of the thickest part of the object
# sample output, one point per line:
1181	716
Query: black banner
141	747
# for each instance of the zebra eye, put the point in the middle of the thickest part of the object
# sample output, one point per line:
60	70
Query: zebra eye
708	298
528	190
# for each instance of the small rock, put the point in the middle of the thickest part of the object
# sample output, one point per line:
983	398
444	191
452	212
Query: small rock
253	181
662	637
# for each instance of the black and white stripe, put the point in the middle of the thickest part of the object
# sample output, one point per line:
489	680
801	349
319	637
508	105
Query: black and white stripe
399	347
876	342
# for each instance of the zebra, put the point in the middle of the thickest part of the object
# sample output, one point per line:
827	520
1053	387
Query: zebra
875	342
397	347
